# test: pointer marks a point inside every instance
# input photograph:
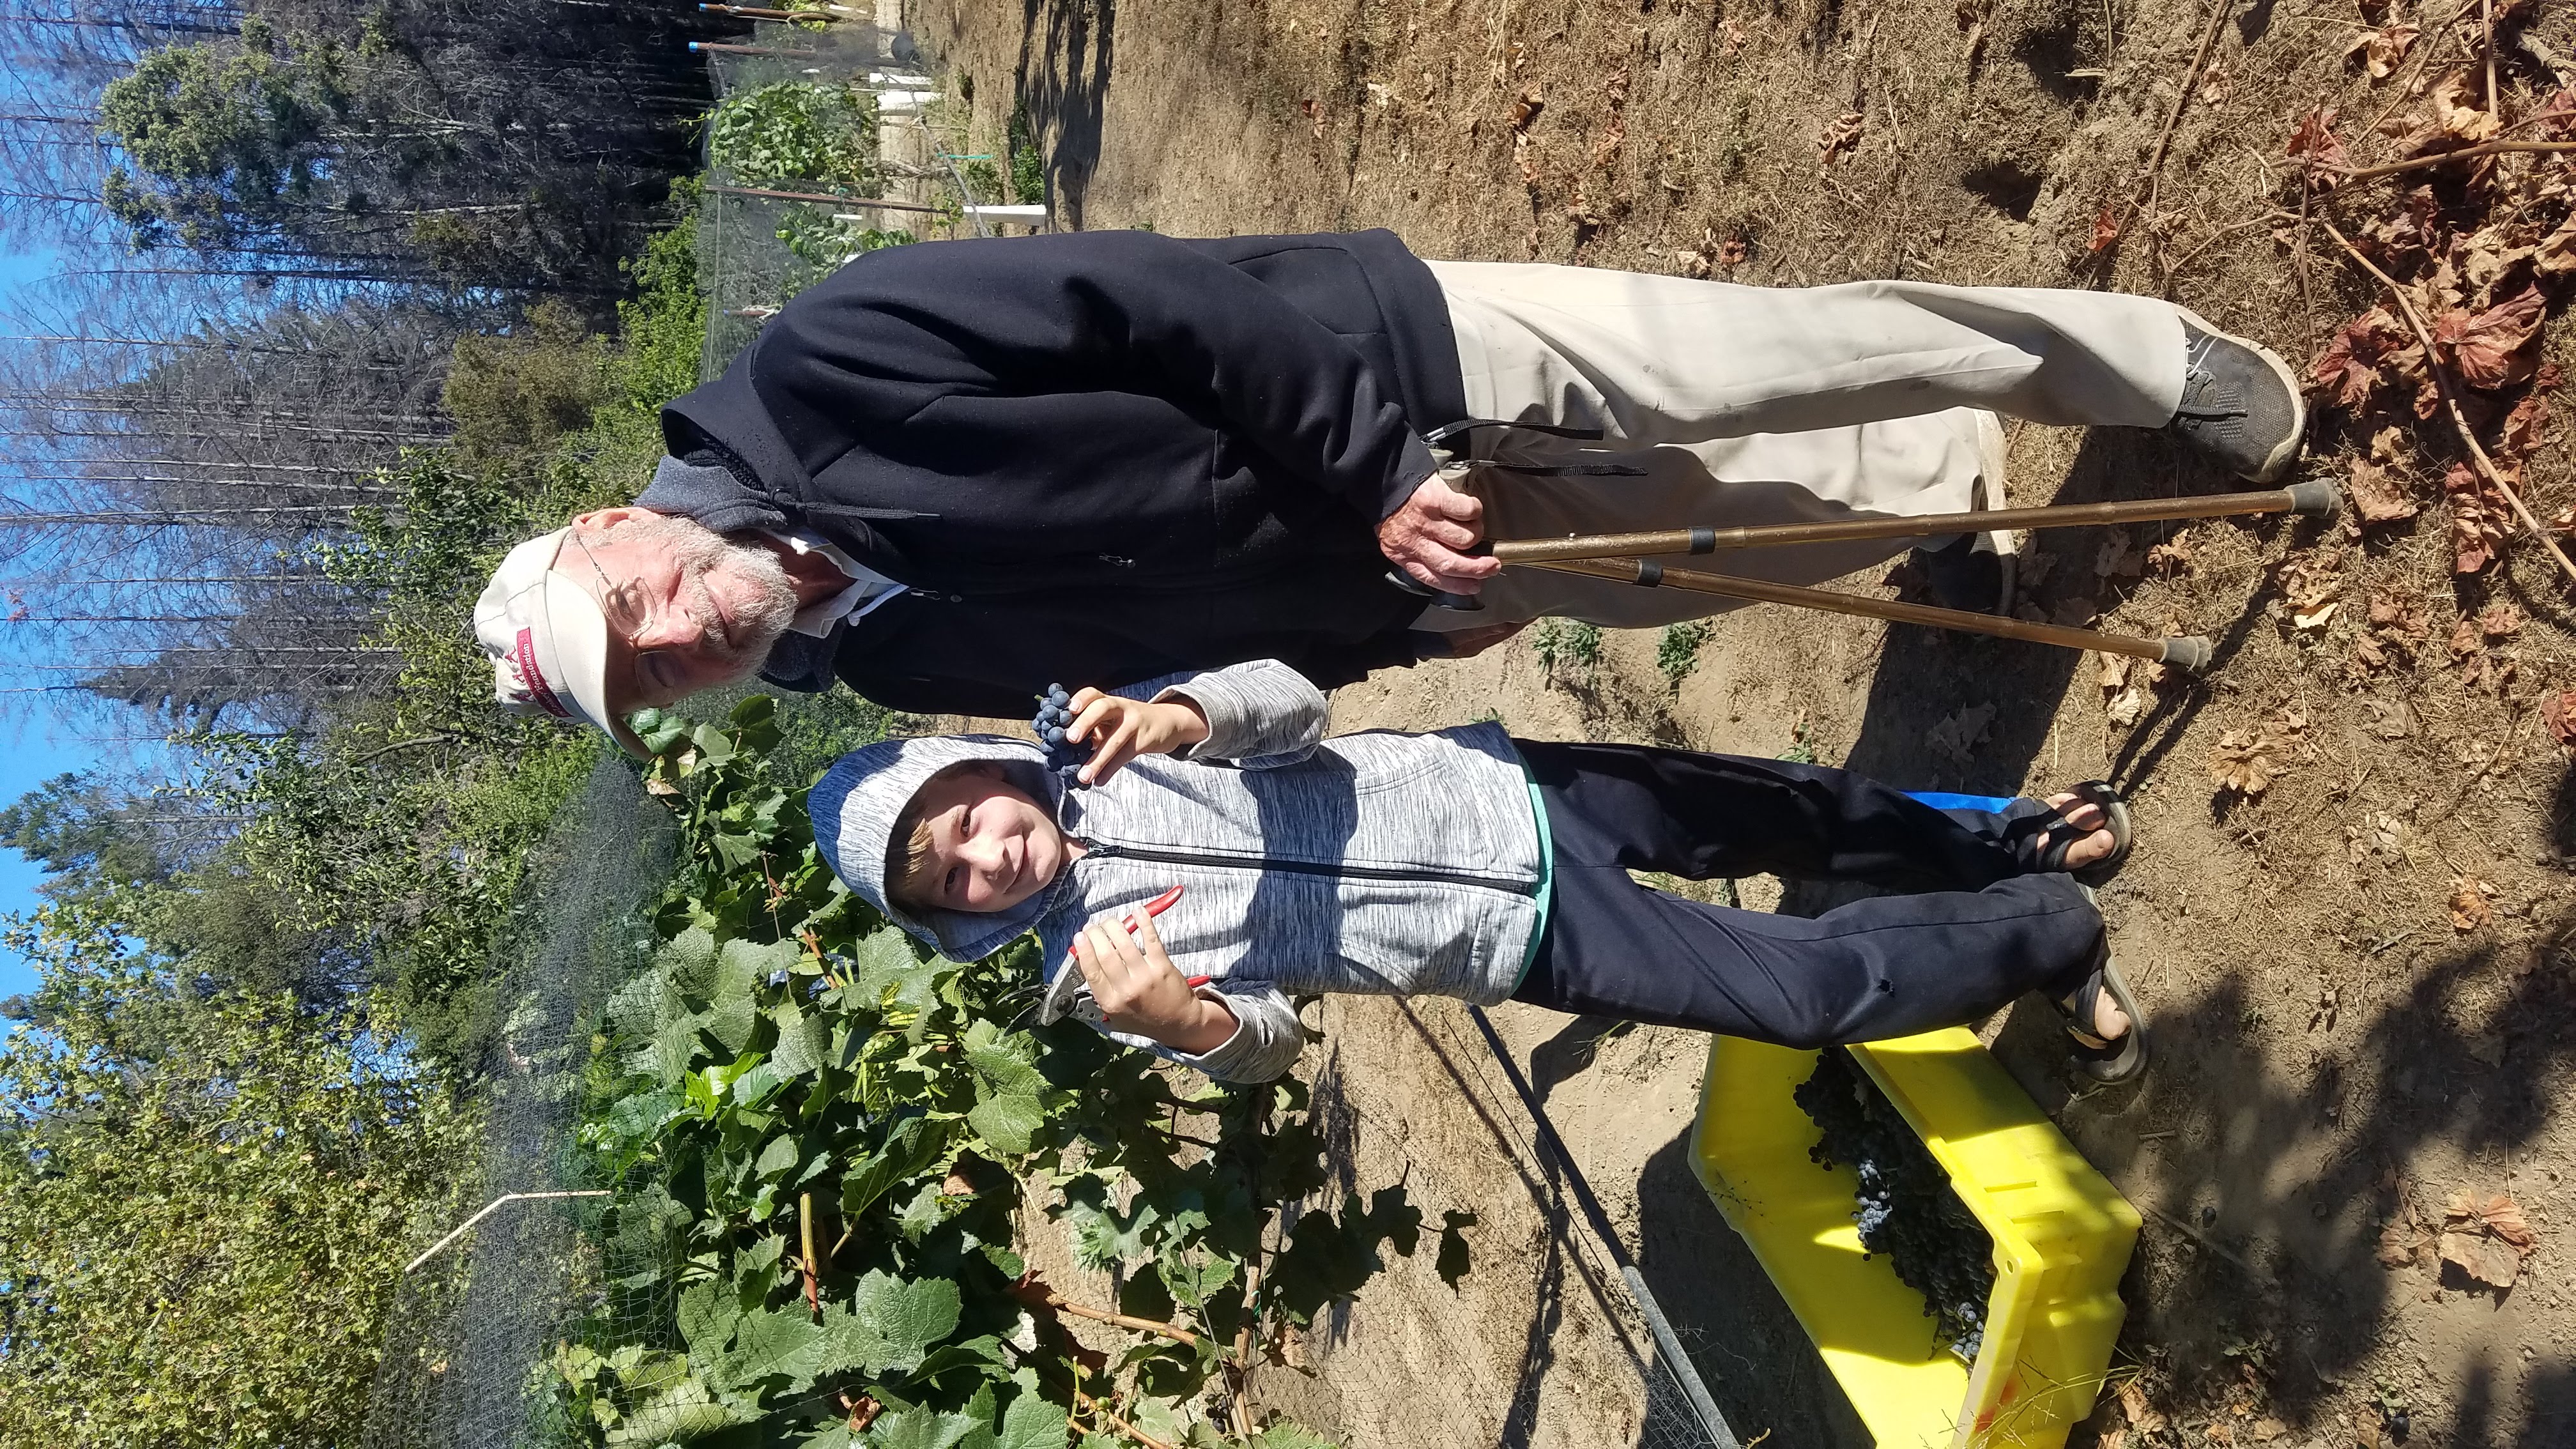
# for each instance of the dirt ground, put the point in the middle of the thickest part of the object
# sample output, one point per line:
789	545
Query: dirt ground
2359	978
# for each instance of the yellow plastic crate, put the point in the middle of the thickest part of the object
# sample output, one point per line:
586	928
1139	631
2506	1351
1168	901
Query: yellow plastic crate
2062	1238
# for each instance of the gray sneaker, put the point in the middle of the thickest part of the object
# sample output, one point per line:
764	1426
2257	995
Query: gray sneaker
2240	402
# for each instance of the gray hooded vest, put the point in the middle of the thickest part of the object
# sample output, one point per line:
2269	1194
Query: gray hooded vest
1388	863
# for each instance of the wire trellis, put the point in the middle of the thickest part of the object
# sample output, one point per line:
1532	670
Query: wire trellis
761	240
476	1324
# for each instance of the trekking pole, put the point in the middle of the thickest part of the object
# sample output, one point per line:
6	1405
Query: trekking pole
2190	654
2316	499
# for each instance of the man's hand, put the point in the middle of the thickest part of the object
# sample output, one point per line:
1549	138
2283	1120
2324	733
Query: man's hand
1126	728
1425	536
1140	992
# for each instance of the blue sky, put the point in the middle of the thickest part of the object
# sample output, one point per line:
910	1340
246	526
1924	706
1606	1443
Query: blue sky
44	745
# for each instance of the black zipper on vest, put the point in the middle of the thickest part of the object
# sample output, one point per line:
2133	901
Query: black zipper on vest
1310	867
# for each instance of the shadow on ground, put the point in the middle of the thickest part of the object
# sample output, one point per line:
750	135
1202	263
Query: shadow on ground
1063	78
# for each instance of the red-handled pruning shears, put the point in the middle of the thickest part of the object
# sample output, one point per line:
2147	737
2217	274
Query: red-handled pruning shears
1070	994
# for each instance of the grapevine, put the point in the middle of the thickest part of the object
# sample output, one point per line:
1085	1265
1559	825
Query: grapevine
827	1148
1907	1208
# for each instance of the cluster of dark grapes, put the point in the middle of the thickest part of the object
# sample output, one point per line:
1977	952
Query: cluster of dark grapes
1054	717
1907	1208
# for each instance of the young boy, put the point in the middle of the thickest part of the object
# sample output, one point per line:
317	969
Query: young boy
1464	863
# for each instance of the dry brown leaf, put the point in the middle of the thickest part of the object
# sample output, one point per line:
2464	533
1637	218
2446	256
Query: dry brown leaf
2316	619
1526	106
2527	426
2491	348
2378	499
2143	1417
2381	50
2482	1257
1839	135
2115	672
2498	621
2469	908
2118	558
2221	1432
2315	139
2248	761
2106	228
2169	558
2127	709
1958	735
2557	251
2398	1244
2464	638
2452	113
2267	1429
2558	711
2475	532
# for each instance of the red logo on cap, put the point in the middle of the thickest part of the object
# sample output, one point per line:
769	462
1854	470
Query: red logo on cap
535	678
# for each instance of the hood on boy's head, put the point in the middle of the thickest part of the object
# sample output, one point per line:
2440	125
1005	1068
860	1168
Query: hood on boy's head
854	807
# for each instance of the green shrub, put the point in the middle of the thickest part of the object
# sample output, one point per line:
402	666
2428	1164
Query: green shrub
1568	642
1677	649
797	133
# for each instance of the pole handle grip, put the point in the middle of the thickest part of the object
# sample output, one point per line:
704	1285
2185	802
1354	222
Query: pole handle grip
2190	654
2316	498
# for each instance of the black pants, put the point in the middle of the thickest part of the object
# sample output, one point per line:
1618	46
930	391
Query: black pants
1979	933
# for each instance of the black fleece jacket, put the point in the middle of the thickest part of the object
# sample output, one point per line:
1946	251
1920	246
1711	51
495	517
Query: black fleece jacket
1092	458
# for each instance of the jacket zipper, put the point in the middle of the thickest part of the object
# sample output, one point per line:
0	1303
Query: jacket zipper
1308	867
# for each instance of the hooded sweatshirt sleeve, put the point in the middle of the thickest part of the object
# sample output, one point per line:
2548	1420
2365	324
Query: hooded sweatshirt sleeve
1123	311
1262	714
1267	1037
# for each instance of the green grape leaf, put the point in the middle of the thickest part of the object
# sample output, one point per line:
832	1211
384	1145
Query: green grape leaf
1193	1282
804	1040
921	1429
1008	1121
1006	1062
730	1020
1031	1423
889	1325
983	1354
682	1413
923	1213
911	1146
776	1158
676	1049
1102	1237
709	1310
880	961
772	1345
688	961
761	1256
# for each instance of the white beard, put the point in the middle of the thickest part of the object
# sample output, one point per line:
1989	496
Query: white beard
754	581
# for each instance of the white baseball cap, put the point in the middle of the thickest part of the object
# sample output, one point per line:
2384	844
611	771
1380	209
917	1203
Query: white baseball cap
548	641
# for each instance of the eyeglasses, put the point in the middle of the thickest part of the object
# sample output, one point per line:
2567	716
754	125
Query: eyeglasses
621	604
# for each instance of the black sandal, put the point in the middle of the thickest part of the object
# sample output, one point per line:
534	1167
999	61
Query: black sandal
2062	834
2122	1059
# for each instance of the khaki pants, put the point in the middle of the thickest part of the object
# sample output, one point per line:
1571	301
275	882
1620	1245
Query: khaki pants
1747	405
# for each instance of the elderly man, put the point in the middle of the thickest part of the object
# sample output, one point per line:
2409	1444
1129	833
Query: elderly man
952	473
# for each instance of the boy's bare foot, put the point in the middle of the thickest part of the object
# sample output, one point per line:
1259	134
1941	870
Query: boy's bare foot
2085	815
2103	1020
2110	1023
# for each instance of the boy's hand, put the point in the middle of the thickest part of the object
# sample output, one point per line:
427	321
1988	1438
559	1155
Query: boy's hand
1125	728
1139	991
